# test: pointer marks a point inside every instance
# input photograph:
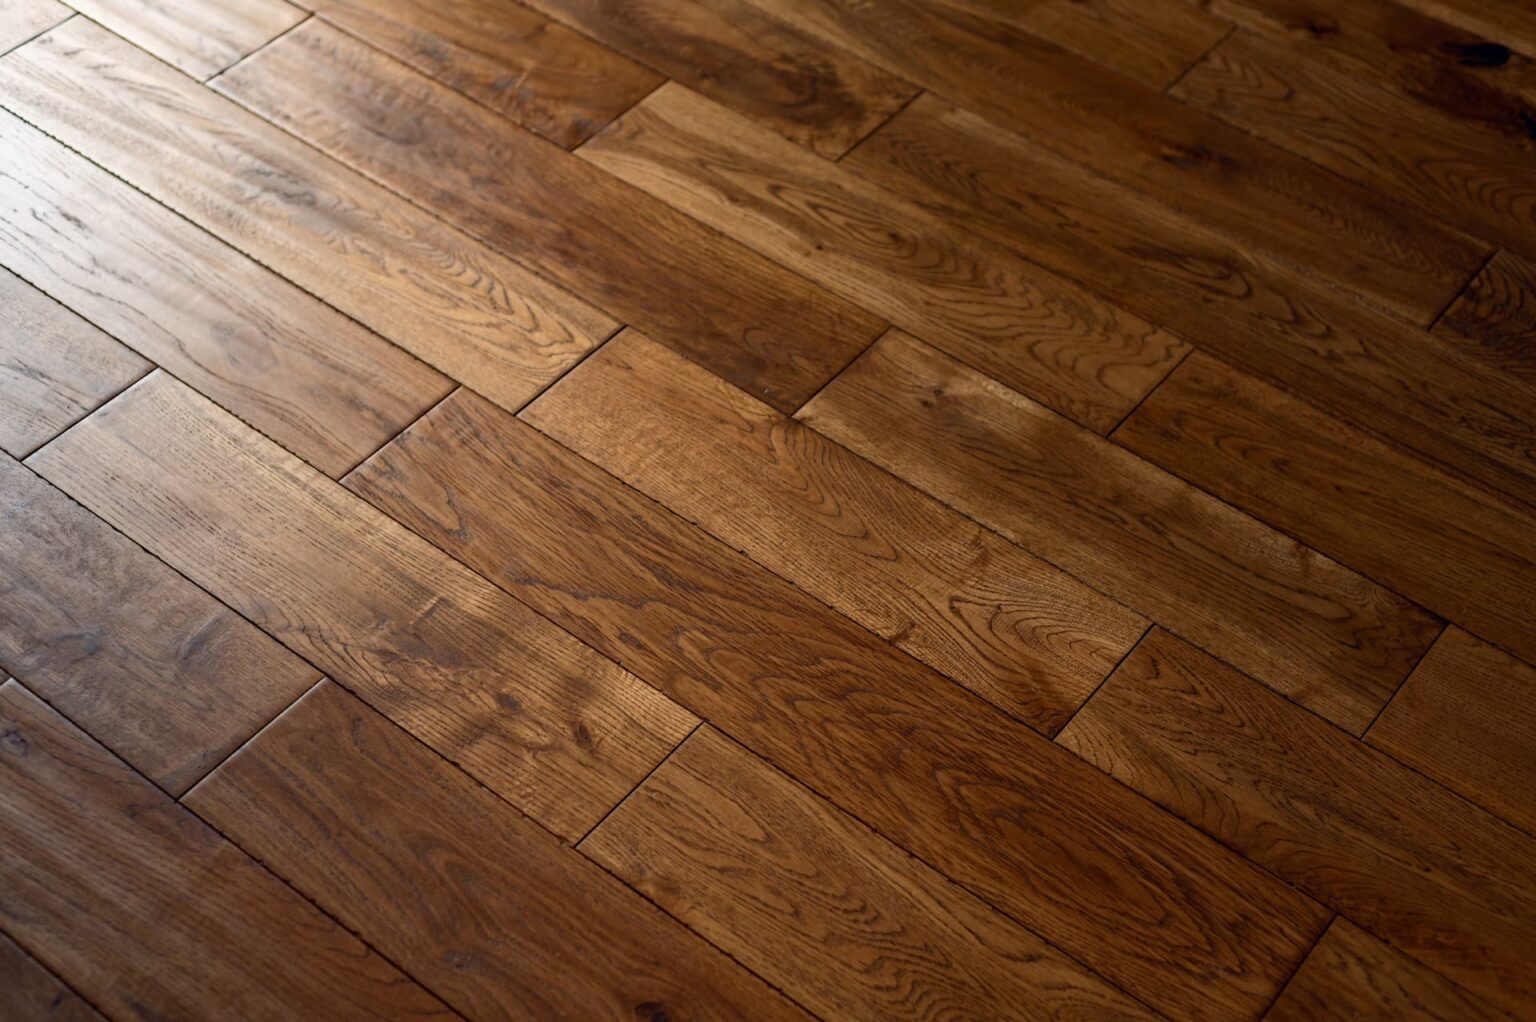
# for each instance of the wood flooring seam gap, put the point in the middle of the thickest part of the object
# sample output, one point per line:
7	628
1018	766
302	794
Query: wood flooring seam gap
641	783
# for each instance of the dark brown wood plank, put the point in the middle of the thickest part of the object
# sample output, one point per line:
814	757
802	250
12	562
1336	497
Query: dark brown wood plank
1466	717
1494	319
1026	826
55	368
845	922
546	722
147	911
30	993
1441	880
498	916
1302	623
20	20
1511	20
735	312
324	387
201	38
440	294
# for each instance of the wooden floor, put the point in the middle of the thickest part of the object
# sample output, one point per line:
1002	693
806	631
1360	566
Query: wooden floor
666	510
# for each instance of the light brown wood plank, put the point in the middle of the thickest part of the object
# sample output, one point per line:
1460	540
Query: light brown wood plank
735	312
30	993
546	722
55	367
492	912
20	20
1467	718
440	294
201	38
297	370
1494	319
1443	881
1062	344
846	923
1302	623
1514	21
147	911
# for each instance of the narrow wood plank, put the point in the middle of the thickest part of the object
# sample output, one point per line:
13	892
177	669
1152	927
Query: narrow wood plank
20	20
1040	835
845	922
546	722
816	95
147	911
735	312
1015	630
297	370
30	993
1058	342
1466	556
1465	717
200	38
55	368
517	62
1495	317
502	919
1512	20
440	294
1438	878
1313	629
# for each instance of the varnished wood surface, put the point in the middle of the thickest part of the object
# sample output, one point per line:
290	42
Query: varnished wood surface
31	993
1494	319
200	38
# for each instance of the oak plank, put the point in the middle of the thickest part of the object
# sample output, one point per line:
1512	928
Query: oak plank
845	922
1494	319
1514	20
1063	344
502	919
30	993
55	368
147	911
709	297
1022	824
20	20
555	728
440	294
201	38
1300	622
1438	878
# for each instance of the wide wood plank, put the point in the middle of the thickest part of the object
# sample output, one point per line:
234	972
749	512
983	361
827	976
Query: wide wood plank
1466	556
1015	630
1494	319
1441	880
843	921
201	38
1032	830
440	294
30	993
551	725
1049	337
1302	623
20	20
1466	717
147	911
502	920
55	367
517	62
735	312
297	370
1513	21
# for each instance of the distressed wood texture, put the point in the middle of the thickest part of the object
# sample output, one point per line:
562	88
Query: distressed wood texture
200	38
1495	317
30	993
20	20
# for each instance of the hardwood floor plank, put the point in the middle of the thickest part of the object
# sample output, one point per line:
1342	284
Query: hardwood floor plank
147	911
502	919
517	62
735	312
1495	318
1066	346
1511	20
55	368
546	722
30	993
1438	878
848	924
1315	630
20	20
1465	718
201	38
1026	637
1467	557
1100	873
297	370
458	305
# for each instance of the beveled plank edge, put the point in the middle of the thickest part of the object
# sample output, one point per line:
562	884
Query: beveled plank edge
9	937
69	12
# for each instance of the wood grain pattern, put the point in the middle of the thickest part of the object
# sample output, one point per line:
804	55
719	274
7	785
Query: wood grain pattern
1441	880
1016	631
447	298
30	993
1028	827
200	38
20	20
741	316
1494	319
1466	717
848	924
1315	630
297	370
501	919
147	911
1062	344
55	367
1511	20
552	726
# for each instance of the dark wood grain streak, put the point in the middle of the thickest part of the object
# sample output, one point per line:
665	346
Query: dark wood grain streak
1511	20
1494	319
20	20
30	993
200	38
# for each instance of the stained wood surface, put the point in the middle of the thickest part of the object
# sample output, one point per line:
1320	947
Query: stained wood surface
30	993
20	20
1510	20
1494	319
200	38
